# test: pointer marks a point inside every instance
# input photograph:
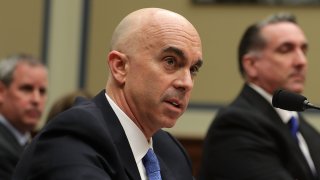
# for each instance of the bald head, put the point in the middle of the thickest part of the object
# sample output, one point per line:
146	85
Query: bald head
146	23
155	55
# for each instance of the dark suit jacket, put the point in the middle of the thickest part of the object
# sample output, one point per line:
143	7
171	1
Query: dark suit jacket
248	140
88	142
10	151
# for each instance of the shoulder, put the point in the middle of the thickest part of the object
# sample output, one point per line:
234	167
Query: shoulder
82	121
78	114
77	140
248	117
248	108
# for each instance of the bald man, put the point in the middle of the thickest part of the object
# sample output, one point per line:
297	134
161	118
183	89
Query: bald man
155	55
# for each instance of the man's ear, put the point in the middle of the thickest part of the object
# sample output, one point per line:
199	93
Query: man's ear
118	66
249	65
2	91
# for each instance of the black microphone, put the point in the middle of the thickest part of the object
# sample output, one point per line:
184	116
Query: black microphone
291	101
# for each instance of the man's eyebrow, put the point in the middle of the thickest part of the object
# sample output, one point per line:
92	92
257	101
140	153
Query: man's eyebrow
176	51
181	54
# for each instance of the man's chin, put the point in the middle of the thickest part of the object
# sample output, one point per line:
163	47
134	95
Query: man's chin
169	124
31	125
297	88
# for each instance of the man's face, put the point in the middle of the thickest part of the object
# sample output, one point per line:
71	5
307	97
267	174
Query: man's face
282	63
23	101
161	75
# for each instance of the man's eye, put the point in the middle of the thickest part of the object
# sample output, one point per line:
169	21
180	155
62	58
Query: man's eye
43	91
194	70
170	61
26	88
304	49
286	48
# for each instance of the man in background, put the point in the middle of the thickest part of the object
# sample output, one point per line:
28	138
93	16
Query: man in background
154	57
250	139
23	93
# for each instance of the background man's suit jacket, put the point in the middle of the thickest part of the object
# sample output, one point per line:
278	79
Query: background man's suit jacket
10	151
88	142
248	140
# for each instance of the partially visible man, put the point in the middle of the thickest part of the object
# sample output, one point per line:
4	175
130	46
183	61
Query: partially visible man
251	140
23	93
154	57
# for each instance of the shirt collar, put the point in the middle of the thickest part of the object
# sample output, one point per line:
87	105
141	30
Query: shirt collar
138	142
284	114
21	138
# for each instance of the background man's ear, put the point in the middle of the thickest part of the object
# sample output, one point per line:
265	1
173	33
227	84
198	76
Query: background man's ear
249	65
2	91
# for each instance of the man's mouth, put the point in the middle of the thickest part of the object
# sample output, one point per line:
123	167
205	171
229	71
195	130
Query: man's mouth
174	103
34	113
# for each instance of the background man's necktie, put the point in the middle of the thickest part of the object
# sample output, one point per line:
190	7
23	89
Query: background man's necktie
294	127
151	164
293	124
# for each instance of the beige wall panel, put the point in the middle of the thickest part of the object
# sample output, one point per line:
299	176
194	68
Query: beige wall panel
220	28
64	49
21	27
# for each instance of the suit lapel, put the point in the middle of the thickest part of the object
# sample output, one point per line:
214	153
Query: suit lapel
261	105
298	161
127	156
164	170
8	140
118	135
312	139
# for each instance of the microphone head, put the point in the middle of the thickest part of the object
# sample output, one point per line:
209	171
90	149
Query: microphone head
288	100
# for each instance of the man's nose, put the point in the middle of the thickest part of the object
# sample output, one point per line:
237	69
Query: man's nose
184	82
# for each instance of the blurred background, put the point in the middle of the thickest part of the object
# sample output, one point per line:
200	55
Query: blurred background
72	38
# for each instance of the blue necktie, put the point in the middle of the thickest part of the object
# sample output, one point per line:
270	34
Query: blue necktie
293	124
151	164
294	127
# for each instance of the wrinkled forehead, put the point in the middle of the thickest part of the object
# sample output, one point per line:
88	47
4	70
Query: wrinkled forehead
148	28
170	26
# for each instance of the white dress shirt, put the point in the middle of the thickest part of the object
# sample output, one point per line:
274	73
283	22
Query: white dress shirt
138	142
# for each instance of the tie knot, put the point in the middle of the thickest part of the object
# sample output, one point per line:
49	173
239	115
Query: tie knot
151	164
